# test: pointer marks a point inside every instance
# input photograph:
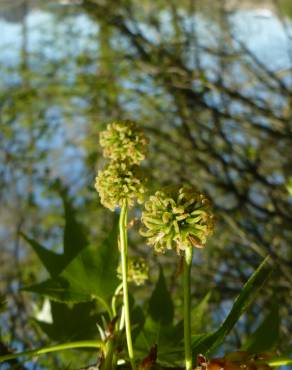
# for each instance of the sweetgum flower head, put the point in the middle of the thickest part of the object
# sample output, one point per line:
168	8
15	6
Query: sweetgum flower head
177	217
124	141
138	270
118	182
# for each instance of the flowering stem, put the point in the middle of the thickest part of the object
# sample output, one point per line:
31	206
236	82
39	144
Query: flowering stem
114	299
187	306
55	348
124	265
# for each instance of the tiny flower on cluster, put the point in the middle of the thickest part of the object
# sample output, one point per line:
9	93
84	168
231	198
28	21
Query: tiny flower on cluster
118	182
177	218
138	271
124	141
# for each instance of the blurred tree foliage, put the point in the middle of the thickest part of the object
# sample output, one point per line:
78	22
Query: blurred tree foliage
217	116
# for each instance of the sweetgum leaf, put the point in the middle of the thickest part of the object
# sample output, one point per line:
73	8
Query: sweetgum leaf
54	263
71	323
266	336
161	308
75	235
74	240
170	348
206	343
158	327
137	320
59	289
90	275
168	339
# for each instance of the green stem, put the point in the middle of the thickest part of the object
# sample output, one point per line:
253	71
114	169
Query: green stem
57	347
114	299
109	351
124	263
277	361
187	306
122	319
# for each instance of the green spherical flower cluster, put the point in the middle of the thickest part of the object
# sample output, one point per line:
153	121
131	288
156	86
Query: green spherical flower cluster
124	141
138	270
177	217
118	182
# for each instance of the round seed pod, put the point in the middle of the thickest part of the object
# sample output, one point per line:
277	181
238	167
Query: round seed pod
118	182
176	218
124	141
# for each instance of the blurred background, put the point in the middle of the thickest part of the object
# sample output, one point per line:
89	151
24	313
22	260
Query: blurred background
210	81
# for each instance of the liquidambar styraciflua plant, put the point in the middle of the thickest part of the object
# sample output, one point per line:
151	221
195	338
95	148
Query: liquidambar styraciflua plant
179	218
120	184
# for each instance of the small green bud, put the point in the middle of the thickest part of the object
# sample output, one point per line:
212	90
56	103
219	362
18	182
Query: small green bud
118	182
138	270
124	141
177	217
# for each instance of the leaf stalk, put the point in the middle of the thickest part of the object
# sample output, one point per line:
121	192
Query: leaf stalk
55	348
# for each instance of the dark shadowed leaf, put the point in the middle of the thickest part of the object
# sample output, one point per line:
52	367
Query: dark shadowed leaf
205	343
158	328
74	240
160	304
168	339
70	323
91	275
53	262
266	336
137	321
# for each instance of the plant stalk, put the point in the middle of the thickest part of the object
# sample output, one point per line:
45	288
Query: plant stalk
110	361
187	306
114	299
55	348
277	361
122	320
124	263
